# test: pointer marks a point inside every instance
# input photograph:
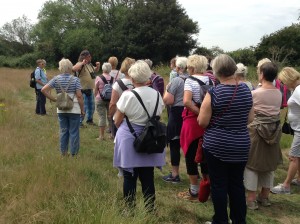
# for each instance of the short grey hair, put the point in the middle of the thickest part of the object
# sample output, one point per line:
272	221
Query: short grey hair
223	66
106	67
140	72
65	66
181	62
241	70
149	62
198	62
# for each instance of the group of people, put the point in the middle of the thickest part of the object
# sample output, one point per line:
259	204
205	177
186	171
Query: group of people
210	105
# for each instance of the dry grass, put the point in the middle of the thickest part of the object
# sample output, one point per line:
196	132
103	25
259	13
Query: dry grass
38	186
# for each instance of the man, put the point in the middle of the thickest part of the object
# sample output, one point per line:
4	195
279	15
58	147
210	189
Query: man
41	80
86	73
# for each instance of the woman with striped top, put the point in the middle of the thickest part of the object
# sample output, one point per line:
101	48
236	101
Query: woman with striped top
225	113
69	120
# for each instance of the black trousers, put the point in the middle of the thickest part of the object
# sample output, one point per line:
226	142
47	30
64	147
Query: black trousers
146	176
40	102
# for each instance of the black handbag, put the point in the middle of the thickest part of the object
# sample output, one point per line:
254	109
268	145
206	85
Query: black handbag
286	127
153	138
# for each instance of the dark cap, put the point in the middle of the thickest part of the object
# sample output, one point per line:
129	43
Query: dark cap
84	53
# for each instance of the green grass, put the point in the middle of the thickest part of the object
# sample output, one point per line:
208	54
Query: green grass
38	186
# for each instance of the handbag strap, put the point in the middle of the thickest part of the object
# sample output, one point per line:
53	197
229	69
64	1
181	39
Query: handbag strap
140	100
220	114
67	85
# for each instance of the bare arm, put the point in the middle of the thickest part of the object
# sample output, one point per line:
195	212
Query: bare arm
168	98
46	91
205	111
80	100
113	103
78	66
187	102
118	118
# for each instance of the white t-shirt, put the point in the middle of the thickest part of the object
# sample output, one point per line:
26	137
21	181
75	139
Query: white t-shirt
294	109
131	107
127	83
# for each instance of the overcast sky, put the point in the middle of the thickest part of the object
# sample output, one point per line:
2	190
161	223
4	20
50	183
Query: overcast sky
229	24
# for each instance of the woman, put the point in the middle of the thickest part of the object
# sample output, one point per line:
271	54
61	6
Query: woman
69	120
191	131
118	88
114	72
102	105
173	73
135	165
173	98
291	78
225	113
265	132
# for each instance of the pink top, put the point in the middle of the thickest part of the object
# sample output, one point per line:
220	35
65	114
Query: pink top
266	101
99	85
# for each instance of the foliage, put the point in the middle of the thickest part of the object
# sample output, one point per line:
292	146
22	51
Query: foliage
203	51
245	56
282	46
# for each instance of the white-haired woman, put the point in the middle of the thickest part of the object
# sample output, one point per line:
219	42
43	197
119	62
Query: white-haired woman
102	106
291	78
69	120
241	75
135	165
173	98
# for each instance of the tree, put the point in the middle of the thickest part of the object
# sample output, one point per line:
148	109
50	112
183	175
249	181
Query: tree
245	56
203	51
141	29
282	45
18	30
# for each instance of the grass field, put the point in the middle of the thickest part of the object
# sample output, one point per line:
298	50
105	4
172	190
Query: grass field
38	186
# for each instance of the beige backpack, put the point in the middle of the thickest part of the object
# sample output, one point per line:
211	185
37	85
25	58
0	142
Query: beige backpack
63	100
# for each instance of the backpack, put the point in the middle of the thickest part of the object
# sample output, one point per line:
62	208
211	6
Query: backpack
63	100
157	83
32	81
286	93
153	138
203	87
107	89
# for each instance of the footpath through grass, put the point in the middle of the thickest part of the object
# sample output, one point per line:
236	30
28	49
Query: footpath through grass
38	186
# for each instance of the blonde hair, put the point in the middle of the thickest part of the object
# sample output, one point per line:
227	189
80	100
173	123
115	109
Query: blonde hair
198	62
262	61
288	75
65	66
113	61
127	62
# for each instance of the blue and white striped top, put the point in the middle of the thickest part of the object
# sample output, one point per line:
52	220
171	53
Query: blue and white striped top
228	138
63	79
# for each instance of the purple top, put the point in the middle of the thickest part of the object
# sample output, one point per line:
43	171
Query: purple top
125	156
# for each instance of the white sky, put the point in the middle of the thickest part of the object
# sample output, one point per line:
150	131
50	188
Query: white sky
230	24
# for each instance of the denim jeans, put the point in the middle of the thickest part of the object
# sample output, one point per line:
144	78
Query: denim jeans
40	102
89	107
69	132
226	179
146	176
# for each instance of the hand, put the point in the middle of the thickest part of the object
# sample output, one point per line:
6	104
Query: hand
82	113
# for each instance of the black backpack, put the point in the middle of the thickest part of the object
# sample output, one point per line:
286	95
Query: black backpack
32	81
203	87
153	138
